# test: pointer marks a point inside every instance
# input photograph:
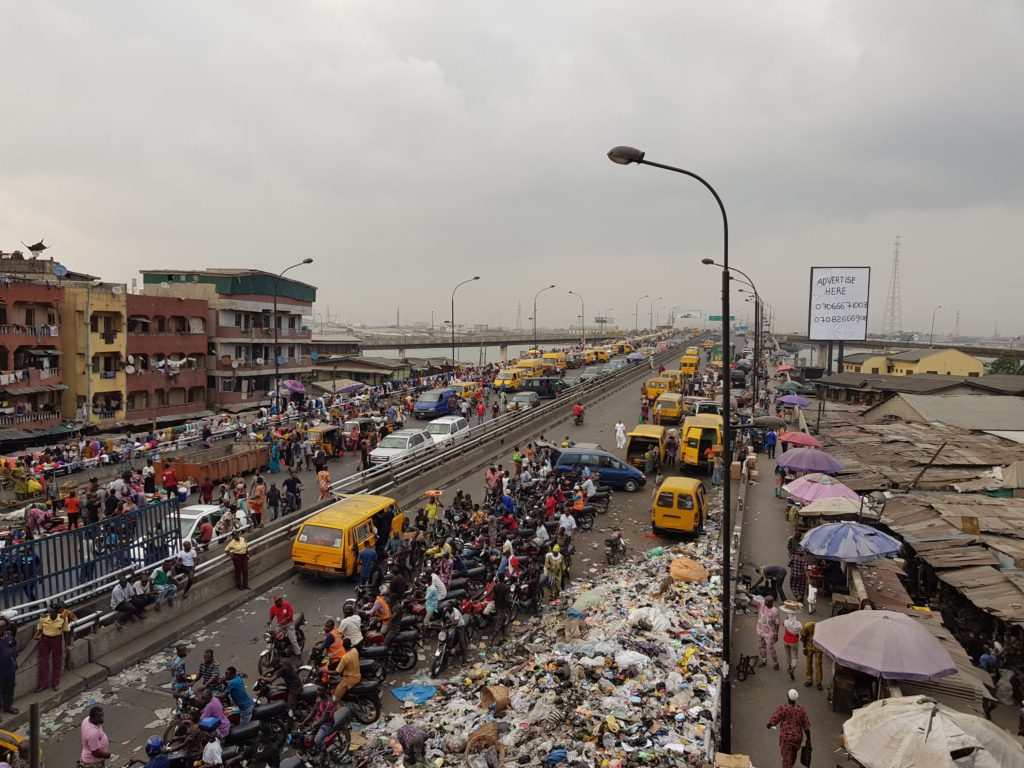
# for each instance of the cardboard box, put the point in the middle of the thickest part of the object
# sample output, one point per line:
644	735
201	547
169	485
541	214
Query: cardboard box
734	472
754	474
723	760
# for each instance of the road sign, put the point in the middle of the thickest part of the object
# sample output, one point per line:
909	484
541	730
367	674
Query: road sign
718	318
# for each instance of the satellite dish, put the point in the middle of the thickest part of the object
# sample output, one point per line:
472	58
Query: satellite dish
131	359
117	290
259	361
314	355
60	270
129	369
165	285
281	360
234	363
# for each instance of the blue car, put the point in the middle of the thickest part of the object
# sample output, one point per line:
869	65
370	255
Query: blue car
612	471
434	403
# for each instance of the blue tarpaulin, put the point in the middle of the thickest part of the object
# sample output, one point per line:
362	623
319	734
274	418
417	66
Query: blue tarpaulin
417	694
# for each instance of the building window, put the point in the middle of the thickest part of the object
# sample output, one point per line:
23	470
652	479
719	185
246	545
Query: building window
30	316
291	350
238	319
291	322
227	385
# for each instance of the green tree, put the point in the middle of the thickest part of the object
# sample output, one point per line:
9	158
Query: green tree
1006	363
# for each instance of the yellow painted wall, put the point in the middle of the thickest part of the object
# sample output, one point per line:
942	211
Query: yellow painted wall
102	299
947	362
868	366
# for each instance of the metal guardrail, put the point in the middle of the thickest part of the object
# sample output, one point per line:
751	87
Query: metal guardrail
381	479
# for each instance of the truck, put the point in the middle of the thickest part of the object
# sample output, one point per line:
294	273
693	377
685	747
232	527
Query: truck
219	463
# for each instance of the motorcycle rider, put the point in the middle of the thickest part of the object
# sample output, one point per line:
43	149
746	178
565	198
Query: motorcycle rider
348	667
158	758
454	618
577	412
331	647
283	614
351	627
321	716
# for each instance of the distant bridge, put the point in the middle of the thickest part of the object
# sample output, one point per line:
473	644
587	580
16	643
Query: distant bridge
976	350
406	341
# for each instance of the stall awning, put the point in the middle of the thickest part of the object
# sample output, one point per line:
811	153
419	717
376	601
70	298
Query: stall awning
41	351
30	390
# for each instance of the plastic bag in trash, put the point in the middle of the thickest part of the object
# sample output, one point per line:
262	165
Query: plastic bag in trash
628	659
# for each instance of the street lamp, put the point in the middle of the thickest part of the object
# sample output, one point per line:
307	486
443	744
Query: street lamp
655	301
277	352
476	277
625	156
583	318
535	312
636	314
931	334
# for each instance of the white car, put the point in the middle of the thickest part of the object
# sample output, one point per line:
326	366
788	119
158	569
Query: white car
524	401
402	444
448	430
191	518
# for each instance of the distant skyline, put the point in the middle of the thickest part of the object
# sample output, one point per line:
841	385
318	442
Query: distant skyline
406	146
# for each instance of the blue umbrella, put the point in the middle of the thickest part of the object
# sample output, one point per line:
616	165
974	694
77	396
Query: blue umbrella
849	543
794	400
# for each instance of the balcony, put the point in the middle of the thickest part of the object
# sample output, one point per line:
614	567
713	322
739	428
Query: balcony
108	381
250	367
37	419
21	331
261	333
166	343
104	341
150	380
29	377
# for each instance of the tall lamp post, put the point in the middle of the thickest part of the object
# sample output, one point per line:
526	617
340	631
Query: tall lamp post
583	318
535	312
625	156
931	333
475	277
277	352
636	314
655	301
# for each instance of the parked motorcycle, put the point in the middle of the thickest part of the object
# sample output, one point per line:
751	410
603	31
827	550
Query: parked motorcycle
614	548
278	645
447	646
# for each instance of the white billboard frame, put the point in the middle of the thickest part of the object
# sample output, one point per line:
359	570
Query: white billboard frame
833	306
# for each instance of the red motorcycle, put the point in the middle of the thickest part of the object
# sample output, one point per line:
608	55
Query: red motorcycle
334	751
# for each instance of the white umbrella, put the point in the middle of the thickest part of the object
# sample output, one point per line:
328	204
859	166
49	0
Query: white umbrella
916	732
833	507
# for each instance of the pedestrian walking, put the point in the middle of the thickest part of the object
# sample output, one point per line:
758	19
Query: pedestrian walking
481	411
274	501
813	656
95	744
791	629
770	439
792	721
620	435
257	501
238	550
323	481
798	575
717	465
767	629
49	633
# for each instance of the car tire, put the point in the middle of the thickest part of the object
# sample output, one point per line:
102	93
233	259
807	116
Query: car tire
631	486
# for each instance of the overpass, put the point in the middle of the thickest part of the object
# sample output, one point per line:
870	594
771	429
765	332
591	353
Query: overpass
976	350
412	340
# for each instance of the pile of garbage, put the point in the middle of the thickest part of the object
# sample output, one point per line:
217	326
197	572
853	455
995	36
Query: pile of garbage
625	674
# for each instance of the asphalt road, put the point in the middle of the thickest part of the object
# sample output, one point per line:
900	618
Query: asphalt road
137	700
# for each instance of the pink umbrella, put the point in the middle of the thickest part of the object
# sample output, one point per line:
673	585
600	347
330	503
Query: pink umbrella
784	368
816	486
801	438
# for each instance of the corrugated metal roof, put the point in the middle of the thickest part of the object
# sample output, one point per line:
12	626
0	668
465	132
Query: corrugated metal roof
975	412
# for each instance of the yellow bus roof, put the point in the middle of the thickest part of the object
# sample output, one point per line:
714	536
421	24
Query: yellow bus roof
673	397
553	355
658	379
703	420
504	373
648	430
677	484
349	510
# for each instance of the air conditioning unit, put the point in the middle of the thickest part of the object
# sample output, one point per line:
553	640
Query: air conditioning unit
259	361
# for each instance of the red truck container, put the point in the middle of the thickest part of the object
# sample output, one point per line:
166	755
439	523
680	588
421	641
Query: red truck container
219	463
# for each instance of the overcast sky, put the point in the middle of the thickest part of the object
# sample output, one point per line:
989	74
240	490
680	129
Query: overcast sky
406	146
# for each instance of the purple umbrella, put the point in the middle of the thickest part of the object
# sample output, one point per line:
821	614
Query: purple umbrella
809	460
794	400
294	386
883	644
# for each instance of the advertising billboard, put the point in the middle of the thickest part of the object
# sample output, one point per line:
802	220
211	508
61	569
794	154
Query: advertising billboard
839	303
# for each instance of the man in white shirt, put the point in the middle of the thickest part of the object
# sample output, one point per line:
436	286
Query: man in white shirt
568	523
186	560
589	488
351	626
126	601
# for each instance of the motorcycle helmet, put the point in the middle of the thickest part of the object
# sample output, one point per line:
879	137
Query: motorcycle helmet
154	746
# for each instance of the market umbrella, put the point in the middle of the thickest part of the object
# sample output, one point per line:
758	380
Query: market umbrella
917	732
355	386
794	400
849	542
294	386
789	386
635	357
785	368
809	460
883	644
817	486
769	421
834	507
801	438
